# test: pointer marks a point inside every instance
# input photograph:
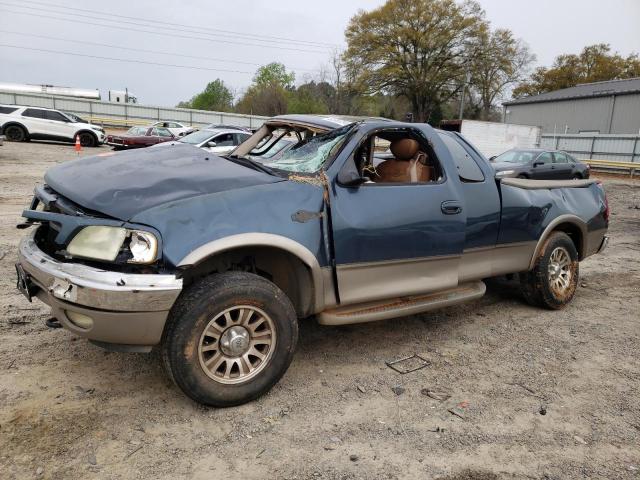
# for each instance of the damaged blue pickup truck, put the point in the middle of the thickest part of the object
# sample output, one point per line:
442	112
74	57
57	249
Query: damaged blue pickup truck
215	259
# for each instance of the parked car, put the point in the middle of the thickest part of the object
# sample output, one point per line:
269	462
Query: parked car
218	141
539	164
140	137
177	129
215	259
21	123
214	126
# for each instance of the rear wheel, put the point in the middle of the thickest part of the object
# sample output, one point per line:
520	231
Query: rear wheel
553	281
88	139
229	338
577	176
15	133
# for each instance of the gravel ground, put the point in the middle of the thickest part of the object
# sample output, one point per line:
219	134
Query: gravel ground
549	395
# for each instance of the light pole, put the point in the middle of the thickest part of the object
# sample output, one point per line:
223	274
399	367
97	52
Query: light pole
464	87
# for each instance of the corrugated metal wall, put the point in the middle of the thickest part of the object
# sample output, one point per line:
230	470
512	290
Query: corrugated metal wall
584	114
620	148
626	114
123	114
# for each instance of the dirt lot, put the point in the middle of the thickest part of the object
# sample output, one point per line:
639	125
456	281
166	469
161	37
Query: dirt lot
71	410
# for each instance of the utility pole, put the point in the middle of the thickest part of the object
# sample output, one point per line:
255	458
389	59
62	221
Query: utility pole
467	80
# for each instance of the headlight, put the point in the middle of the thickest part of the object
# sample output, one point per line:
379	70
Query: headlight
98	242
143	247
105	243
505	173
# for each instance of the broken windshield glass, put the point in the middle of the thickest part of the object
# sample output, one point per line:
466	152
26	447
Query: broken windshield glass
309	156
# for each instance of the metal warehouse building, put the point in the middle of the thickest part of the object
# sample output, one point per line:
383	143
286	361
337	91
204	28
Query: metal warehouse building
611	107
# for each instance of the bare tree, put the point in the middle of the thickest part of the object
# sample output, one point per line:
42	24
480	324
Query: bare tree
499	61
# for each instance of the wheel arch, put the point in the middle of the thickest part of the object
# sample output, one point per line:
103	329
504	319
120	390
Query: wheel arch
89	131
572	225
287	263
14	123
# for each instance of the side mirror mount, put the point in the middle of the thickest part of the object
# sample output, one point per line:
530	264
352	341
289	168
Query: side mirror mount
211	144
491	159
349	175
352	181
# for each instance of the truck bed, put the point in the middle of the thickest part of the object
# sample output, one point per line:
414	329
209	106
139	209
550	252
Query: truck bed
528	184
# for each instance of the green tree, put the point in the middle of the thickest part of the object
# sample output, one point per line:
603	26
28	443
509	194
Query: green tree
274	74
312	97
216	96
417	49
270	91
596	63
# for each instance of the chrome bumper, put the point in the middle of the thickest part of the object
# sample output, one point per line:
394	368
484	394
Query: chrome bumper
125	308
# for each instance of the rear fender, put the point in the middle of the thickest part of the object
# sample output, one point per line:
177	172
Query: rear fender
571	224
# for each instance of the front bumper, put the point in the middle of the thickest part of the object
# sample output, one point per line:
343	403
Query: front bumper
126	309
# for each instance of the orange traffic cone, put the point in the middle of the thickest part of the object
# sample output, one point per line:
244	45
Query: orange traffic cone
78	146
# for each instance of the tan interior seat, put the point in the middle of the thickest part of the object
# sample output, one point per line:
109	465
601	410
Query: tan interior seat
410	165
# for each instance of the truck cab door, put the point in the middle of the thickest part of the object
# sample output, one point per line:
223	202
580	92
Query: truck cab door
402	231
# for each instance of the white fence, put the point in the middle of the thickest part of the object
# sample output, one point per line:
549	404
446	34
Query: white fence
119	114
619	148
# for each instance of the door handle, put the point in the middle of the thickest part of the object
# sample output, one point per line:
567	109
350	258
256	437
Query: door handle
451	207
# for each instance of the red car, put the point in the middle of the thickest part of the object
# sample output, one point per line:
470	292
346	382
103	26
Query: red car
139	137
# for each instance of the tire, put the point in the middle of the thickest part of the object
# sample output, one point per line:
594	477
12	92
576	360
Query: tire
88	139
577	176
15	133
203	332
522	175
553	281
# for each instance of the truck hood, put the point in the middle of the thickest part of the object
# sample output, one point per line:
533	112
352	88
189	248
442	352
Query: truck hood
124	184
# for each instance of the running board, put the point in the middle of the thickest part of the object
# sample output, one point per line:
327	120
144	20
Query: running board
401	306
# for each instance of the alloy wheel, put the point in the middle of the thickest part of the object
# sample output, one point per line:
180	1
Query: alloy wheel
237	344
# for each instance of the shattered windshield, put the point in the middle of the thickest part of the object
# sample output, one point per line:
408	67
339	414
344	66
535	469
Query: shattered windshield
310	154
271	150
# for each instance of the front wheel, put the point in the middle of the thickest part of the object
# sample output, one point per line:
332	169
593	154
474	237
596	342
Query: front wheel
88	140
229	338
553	281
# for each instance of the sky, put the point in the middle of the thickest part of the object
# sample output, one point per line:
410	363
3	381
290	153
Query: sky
231	39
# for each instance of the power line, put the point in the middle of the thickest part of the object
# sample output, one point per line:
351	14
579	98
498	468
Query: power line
97	44
144	62
279	47
240	34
